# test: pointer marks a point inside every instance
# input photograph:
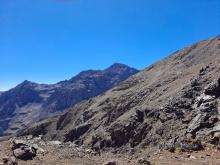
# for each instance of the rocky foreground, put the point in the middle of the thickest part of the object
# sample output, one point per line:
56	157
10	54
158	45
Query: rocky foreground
35	151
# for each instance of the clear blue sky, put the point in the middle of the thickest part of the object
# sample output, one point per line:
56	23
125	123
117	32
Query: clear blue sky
51	40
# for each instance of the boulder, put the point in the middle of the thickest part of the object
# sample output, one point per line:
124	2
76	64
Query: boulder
25	153
18	143
111	163
188	146
25	150
213	88
144	161
55	142
195	124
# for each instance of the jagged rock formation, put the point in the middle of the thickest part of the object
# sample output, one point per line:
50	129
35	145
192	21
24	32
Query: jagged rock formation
30	101
173	103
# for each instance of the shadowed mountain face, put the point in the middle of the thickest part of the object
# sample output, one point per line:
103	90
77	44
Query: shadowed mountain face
86	85
30	101
174	102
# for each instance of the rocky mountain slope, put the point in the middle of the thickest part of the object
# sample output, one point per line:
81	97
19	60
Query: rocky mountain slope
30	101
173	104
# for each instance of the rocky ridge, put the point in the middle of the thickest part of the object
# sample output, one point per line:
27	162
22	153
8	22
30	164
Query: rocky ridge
28	102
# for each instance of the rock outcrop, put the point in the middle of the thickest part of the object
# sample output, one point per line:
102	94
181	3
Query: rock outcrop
25	150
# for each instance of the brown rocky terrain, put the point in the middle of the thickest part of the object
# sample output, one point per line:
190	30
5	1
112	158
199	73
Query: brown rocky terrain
166	114
55	152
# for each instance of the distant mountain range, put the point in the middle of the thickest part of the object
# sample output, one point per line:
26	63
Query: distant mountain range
29	102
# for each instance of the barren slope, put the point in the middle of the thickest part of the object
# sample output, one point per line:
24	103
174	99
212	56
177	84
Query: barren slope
172	103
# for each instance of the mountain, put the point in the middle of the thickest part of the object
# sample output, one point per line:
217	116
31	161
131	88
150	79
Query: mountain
172	104
28	102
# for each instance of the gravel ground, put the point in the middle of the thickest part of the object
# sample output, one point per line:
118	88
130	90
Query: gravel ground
69	155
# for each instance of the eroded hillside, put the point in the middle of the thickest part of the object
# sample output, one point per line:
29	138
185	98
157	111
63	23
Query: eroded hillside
171	104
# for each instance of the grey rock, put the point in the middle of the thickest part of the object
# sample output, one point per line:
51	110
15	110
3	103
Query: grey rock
25	149
25	153
77	132
55	142
144	161
17	143
110	163
216	128
213	88
195	124
187	146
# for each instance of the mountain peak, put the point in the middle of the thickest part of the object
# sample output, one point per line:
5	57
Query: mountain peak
117	67
27	82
